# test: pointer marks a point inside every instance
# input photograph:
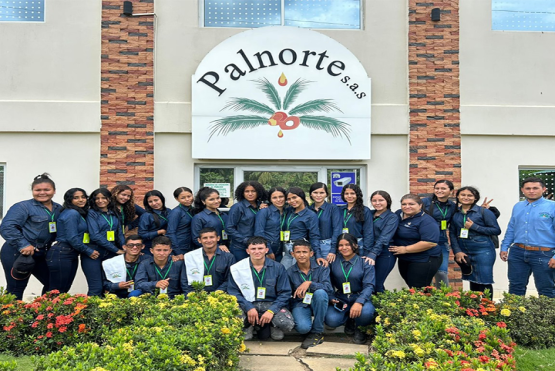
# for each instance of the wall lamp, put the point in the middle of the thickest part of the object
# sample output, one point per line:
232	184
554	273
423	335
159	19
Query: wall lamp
436	14
128	10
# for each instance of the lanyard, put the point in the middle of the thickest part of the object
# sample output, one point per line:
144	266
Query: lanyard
443	214
190	216
162	216
289	221
347	274
211	264
282	220
122	215
253	210
51	215
344	215
134	270
221	220
110	223
464	219
257	276
309	277
167	272
320	213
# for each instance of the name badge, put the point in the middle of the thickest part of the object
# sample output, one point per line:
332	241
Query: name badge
443	225
164	291
86	238
345	230
52	227
208	280
131	288
346	287
110	236
261	293
308	298
224	235
464	233
285	236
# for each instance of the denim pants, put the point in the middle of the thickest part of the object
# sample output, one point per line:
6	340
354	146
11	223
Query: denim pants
325	247
63	262
238	252
93	271
522	263
336	318
419	274
444	267
384	265
303	314
288	260
8	255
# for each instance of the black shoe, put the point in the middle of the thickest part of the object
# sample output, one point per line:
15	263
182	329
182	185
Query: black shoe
312	340
350	327
360	337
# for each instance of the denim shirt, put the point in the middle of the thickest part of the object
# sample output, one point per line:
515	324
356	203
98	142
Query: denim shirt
440	211
148	230
531	224
26	223
364	230
362	279
133	223
219	272
207	218
484	224
276	282
147	276
385	227
71	228
318	275
240	223
416	228
179	229
98	223
303	224
268	223
329	222
131	273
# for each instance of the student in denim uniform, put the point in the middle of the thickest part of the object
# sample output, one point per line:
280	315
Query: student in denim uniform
241	217
352	278
29	228
179	223
300	222
160	274
356	219
470	230
106	236
269	221
207	214
262	289
125	267
154	221
311	288
416	243
329	220
125	207
208	264
530	236
385	226
441	209
72	239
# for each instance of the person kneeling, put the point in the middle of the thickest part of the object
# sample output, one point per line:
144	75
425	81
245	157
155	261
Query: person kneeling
311	288
160	272
263	291
119	272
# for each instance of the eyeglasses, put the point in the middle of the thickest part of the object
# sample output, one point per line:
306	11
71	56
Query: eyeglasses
135	245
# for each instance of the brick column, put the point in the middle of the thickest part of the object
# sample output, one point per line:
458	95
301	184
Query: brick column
127	99
435	141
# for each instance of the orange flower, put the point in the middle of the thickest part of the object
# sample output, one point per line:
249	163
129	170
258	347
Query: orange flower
81	328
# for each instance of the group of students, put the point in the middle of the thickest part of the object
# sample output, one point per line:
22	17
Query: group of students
276	232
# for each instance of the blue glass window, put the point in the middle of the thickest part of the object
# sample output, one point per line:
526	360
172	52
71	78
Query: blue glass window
22	10
523	15
329	14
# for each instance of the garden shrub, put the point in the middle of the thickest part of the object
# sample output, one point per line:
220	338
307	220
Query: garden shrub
8	365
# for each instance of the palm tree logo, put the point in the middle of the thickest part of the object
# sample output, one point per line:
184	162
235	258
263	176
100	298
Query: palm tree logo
296	116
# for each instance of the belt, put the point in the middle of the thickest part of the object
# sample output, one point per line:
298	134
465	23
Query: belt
533	248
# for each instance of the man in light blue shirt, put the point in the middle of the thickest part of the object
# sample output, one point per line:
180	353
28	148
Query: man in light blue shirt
531	237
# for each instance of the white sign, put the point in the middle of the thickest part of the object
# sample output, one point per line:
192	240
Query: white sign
222	188
281	93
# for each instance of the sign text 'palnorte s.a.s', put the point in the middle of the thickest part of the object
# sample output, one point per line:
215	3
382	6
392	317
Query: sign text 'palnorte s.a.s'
287	56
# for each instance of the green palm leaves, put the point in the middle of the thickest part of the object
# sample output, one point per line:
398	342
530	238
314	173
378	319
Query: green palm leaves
333	126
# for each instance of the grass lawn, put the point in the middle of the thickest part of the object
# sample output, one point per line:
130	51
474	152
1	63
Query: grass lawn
534	360
23	363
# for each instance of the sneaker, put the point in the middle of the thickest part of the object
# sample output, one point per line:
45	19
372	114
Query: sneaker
329	328
312	340
276	333
249	333
350	327
360	337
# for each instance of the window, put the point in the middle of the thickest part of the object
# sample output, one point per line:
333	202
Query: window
327	14
523	15
22	10
547	175
2	190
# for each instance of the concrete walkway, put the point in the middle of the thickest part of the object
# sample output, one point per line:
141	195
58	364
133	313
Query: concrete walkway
336	351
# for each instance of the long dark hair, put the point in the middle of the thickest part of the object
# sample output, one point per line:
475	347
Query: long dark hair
358	208
128	207
385	195
352	240
155	193
106	193
202	195
68	201
180	190
446	182
298	192
316	186
472	190
260	191
276	189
